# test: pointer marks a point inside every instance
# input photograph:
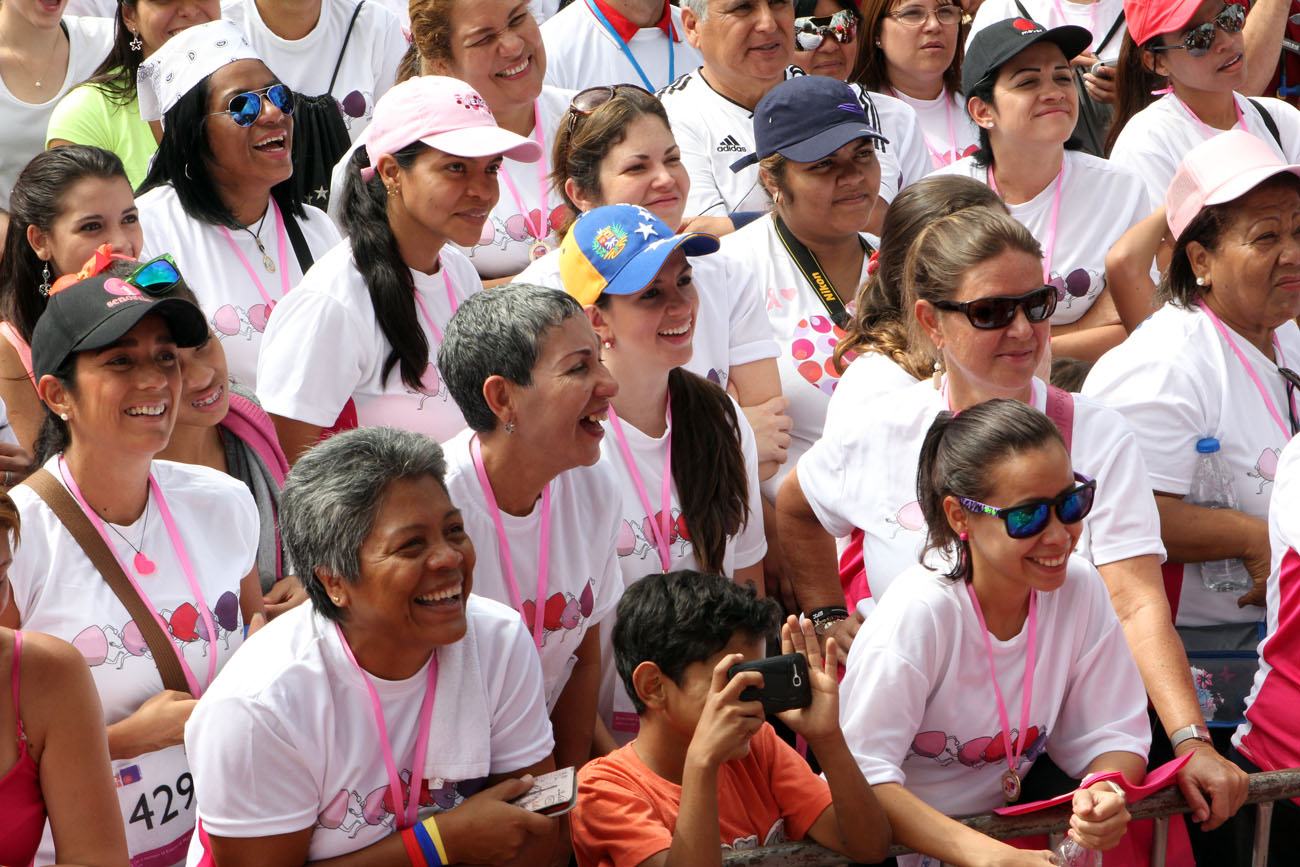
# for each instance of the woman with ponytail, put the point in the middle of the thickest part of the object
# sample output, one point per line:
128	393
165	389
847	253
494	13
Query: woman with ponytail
1014	628
664	421
365	323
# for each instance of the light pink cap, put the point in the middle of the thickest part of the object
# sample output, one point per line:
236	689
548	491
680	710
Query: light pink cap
1219	170
446	114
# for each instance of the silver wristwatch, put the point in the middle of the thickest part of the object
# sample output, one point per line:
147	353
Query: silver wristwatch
1187	733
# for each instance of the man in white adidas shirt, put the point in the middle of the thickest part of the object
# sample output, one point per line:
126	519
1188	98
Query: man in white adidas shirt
594	42
748	48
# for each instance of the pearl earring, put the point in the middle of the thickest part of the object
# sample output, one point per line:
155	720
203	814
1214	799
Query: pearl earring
63	415
1200	281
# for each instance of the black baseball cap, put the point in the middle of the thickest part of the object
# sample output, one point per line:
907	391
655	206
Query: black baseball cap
999	42
805	118
98	311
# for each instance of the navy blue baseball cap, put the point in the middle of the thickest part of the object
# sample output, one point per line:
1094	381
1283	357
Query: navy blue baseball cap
806	118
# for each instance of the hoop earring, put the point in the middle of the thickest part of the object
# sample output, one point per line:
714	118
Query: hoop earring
136	43
45	279
187	170
776	197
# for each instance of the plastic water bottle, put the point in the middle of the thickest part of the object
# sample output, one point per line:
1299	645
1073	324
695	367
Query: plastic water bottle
1212	487
1071	854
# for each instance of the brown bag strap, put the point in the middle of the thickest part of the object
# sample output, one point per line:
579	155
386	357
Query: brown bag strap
92	544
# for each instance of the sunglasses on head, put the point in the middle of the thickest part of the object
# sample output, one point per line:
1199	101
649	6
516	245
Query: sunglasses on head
245	108
1030	519
998	312
584	102
947	14
810	33
154	278
1198	40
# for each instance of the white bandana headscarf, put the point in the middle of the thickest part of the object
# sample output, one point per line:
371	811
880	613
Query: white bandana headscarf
186	59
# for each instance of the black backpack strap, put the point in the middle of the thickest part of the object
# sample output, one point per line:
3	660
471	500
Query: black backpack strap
1268	122
1110	34
347	37
300	249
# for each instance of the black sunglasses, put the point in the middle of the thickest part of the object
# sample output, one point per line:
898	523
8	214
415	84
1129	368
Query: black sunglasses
989	314
1199	39
584	102
245	108
1030	519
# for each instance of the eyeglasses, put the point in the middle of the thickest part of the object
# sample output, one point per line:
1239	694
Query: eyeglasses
947	14
246	108
1030	519
584	102
154	278
810	33
1198	40
989	314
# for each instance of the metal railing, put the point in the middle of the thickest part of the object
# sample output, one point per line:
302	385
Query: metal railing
1265	788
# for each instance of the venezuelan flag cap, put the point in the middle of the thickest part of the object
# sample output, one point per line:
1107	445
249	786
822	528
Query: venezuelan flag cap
619	249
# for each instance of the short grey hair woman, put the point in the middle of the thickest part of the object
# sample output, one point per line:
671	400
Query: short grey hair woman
392	656
523	364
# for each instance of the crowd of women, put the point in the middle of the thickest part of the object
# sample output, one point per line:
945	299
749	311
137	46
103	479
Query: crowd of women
358	358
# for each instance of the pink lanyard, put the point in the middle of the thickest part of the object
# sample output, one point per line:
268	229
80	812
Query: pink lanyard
539	229
1010	779
451	299
1050	246
543	546
1209	131
1250	369
660	529
938	158
281	245
179	547
409	805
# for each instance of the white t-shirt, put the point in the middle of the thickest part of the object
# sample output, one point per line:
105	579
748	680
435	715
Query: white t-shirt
1176	381
731	327
58	591
287	740
369	65
1097	17
505	248
506	241
582	53
542	10
713	132
90	8
883	444
869	376
236	309
24	123
638	554
1099	201
949	132
802	328
1156	139
583	583
1269	738
324	347
918	708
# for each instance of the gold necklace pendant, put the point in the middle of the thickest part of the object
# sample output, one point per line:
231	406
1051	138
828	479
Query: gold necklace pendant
267	263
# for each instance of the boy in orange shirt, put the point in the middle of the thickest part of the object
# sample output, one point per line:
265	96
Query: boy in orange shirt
705	772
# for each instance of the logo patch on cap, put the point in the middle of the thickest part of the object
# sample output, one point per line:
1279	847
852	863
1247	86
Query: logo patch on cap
609	241
1024	25
473	102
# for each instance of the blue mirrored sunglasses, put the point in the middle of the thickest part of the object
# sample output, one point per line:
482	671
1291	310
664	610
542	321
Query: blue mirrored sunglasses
1030	519
246	108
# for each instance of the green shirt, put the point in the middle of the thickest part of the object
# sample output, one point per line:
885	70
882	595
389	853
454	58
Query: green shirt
88	116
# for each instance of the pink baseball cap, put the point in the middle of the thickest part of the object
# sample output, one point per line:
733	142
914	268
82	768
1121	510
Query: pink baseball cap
446	114
1147	19
1219	170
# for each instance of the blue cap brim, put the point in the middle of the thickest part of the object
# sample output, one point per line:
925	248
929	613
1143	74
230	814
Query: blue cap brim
819	146
642	270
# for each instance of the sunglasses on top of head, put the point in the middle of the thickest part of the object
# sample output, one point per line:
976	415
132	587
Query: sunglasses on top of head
1199	39
998	312
811	32
1030	519
245	108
